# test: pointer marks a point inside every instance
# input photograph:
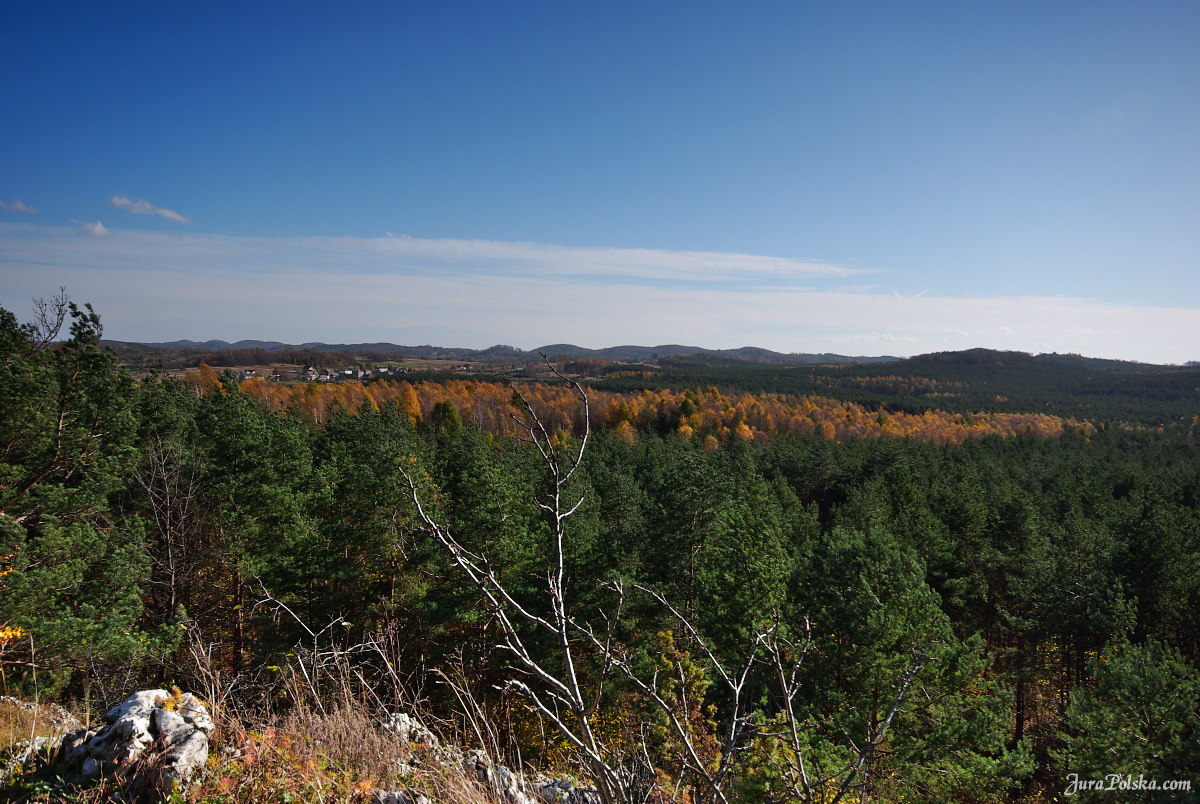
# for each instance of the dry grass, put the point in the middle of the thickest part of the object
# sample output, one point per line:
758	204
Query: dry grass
21	720
16	723
340	754
304	732
347	739
336	756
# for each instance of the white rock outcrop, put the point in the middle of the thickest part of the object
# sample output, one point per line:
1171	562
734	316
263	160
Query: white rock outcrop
505	785
169	731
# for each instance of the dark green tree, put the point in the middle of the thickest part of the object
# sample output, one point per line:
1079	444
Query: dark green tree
876	621
73	565
1142	719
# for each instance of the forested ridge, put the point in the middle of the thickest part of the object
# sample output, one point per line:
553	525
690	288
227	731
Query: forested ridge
1069	386
973	381
973	603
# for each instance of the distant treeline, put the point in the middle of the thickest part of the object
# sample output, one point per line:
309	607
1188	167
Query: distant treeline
708	413
1068	386
1063	385
261	357
145	358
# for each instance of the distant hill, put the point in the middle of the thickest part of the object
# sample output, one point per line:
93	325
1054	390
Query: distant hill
967	381
495	354
649	353
271	346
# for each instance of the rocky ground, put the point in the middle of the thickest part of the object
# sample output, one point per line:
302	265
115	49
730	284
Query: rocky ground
157	742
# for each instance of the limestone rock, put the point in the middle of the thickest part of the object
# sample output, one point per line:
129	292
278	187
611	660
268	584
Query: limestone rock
424	742
172	728
505	785
560	791
194	712
408	729
171	731
398	797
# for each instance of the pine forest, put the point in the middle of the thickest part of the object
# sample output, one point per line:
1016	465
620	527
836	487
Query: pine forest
692	580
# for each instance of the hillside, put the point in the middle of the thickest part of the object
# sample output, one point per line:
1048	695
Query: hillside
185	352
977	380
961	382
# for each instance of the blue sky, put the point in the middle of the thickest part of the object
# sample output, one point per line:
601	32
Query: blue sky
864	178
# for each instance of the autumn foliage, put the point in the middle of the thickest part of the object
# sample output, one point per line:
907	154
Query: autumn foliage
693	412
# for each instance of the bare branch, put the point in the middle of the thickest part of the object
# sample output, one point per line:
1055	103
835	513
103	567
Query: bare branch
48	317
864	755
562	688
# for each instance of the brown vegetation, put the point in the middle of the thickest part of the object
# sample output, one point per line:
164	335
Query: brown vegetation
749	416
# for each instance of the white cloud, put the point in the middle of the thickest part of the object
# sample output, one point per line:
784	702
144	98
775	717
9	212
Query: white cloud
156	286
146	208
96	229
524	258
19	206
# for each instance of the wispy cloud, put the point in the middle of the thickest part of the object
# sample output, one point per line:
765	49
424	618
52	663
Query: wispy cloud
19	206
157	286
96	229
146	208
598	263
